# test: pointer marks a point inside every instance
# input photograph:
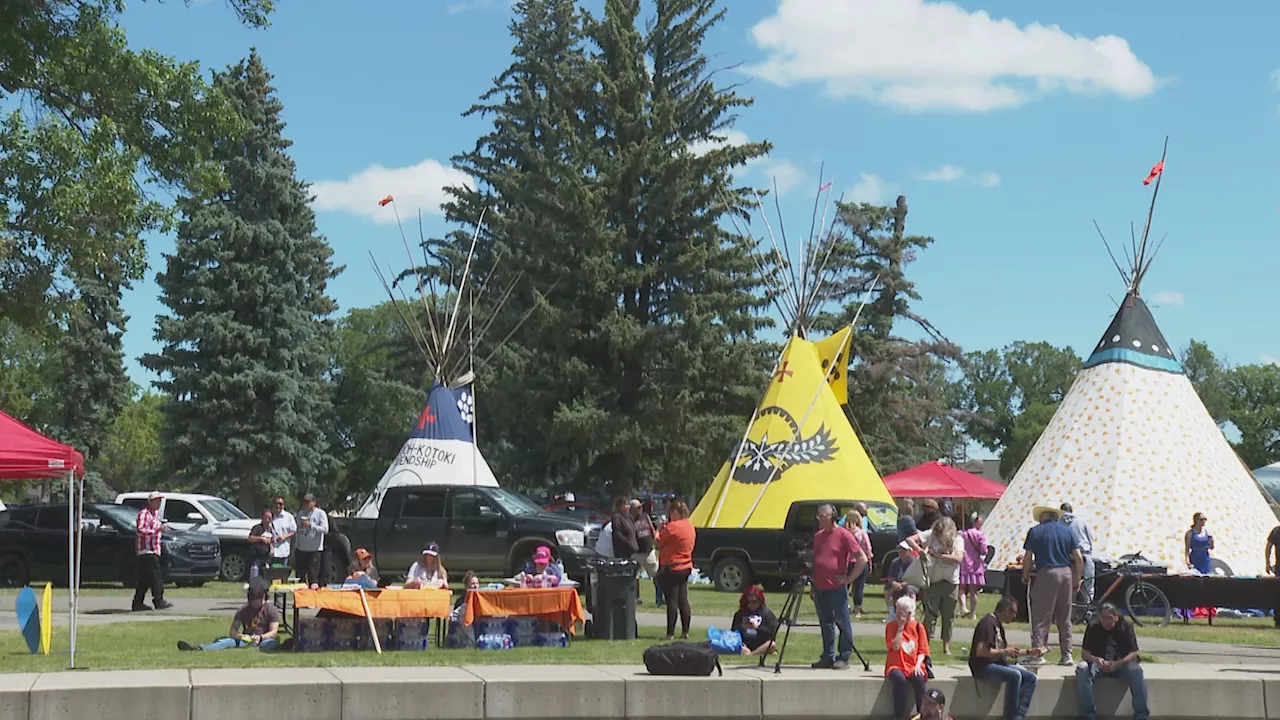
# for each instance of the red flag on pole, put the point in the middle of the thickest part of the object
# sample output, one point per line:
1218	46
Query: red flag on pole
824	187
1155	172
383	202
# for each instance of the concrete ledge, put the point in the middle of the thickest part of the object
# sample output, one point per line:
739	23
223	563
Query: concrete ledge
544	692
299	692
15	695
138	695
410	693
734	696
550	692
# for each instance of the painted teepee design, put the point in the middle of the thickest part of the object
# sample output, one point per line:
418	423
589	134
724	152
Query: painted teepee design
798	445
1135	452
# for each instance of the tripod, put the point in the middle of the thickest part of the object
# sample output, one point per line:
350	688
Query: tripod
790	617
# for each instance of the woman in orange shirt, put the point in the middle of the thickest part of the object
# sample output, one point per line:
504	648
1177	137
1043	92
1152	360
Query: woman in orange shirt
907	644
675	560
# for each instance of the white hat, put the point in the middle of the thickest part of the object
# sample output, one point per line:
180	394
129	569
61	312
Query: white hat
568	497
155	495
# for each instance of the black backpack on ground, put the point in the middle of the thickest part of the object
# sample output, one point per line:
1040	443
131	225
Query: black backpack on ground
682	658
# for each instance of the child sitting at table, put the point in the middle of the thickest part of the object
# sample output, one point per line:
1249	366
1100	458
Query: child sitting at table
363	573
428	572
469	582
540	572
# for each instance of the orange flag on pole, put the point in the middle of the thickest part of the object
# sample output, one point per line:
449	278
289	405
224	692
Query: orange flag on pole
1155	172
383	202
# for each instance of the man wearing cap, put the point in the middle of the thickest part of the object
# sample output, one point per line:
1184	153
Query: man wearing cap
284	526
1110	649
147	548
895	586
1052	549
933	707
313	524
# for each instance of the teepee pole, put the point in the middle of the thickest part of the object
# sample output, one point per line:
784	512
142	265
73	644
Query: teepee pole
466	276
475	417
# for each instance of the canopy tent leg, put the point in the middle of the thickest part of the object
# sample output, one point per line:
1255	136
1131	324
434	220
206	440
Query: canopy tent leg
78	529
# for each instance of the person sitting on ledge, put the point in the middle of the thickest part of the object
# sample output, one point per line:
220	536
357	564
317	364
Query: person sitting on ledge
428	572
907	646
1110	649
755	622
254	625
540	572
363	572
989	656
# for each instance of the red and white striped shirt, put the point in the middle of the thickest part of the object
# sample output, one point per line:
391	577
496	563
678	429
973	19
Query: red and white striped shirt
147	541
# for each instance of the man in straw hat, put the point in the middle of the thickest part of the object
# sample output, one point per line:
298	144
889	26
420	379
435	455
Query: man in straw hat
1052	549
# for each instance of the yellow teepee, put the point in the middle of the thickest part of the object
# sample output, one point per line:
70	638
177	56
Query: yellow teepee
800	446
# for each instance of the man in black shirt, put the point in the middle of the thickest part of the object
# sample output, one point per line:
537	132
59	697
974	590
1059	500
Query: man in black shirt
989	656
260	538
1110	649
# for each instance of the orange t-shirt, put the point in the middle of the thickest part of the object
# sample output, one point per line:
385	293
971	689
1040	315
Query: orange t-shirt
913	650
675	545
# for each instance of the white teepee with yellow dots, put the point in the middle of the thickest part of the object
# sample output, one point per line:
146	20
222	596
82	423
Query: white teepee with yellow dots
1135	452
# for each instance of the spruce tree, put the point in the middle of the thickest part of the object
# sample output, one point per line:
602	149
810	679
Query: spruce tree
247	342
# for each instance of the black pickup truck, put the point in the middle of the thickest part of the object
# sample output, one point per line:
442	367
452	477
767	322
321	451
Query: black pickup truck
492	531
33	547
737	557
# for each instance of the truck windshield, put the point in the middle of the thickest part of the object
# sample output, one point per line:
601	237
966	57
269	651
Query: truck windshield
123	515
513	502
222	511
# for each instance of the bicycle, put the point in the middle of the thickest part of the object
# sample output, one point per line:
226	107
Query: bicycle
1143	601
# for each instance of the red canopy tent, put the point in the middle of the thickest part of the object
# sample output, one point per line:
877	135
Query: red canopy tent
27	455
933	479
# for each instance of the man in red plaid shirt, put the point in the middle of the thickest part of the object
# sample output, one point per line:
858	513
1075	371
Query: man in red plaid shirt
147	547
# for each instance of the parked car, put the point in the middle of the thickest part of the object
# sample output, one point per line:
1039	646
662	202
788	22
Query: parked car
492	531
189	511
737	557
34	547
586	513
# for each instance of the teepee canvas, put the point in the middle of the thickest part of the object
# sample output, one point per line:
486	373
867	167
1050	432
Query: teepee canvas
440	450
1135	452
800	446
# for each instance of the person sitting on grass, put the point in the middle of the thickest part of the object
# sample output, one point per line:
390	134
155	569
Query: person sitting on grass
428	572
540	572
1110	649
254	625
363	572
755	622
907	645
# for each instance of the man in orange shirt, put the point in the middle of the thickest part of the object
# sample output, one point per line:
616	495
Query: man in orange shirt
837	560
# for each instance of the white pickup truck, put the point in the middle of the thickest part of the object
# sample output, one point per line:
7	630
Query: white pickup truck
186	511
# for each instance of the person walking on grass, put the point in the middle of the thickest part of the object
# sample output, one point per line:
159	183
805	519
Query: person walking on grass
147	548
855	525
837	561
675	558
973	569
646	556
942	544
1052	550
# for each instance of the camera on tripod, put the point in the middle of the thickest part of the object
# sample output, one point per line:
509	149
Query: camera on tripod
797	558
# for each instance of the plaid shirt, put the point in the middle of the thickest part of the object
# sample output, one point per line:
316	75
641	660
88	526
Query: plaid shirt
147	541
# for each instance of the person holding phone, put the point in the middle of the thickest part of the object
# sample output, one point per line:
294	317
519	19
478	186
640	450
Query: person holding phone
990	656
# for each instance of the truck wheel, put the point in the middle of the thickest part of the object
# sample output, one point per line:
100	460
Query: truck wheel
335	571
13	571
234	567
732	575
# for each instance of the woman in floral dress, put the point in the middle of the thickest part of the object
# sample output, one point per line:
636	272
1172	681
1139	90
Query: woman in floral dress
973	568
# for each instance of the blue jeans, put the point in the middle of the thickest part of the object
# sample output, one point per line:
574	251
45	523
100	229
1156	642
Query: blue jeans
833	614
1019	686
227	643
860	586
1132	672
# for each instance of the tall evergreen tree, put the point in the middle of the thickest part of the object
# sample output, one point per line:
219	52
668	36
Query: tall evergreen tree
644	361
247	344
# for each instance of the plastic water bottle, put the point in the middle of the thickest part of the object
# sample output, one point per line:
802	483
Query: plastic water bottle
253	571
560	567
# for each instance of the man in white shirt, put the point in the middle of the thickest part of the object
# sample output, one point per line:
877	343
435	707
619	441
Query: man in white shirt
313	524
283	527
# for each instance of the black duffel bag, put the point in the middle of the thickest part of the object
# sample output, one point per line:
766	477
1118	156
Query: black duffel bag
682	658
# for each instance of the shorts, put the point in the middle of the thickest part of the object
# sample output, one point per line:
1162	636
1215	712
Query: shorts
648	561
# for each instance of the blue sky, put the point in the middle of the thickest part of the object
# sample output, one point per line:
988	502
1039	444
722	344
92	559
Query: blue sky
1009	126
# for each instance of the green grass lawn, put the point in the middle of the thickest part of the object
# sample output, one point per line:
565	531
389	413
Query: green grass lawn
136	646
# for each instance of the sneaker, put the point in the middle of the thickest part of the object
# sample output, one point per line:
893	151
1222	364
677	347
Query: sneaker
1066	660
186	646
1033	661
163	604
141	607
824	664
840	665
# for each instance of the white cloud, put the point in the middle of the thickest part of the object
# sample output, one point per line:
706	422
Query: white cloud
722	138
952	173
869	189
787	175
918	55
1169	297
1270	359
415	187
946	173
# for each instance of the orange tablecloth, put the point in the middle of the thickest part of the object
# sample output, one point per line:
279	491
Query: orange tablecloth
384	603
558	605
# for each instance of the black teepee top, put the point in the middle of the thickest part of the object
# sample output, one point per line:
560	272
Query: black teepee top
1133	338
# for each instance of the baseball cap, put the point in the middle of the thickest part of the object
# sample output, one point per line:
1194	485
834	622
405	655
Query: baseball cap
155	495
936	696
362	553
542	554
431	549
